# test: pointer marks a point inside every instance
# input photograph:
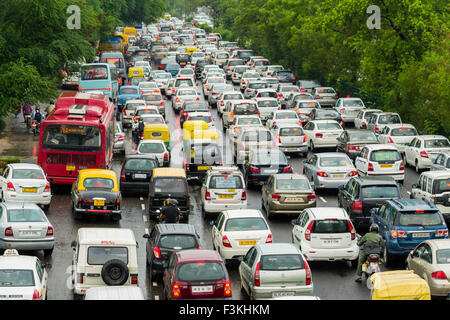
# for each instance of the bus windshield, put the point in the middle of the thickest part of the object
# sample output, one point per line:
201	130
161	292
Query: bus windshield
94	72
72	137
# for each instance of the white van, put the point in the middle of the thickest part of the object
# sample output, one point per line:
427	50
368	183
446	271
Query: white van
114	293
104	257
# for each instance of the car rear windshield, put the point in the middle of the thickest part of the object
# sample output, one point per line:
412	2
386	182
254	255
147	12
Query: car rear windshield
232	96
151	148
326	90
152	97
245	108
272	158
404	132
170	185
327	113
286	115
187	82
100	255
133	106
98	183
25	215
248	121
226	182
262	85
441	185
94	72
335	162
154	120
292	184
330	226
200	271
284	73
328	126
437	143
281	262
385	155
353	103
245	224
250	75
27	174
140	164
291	132
128	91
16	278
389	118
308	84
372	192
194	117
145	111
308	104
268	103
252	136
178	242
368	114
418	218
362	136
442	256
245	54
187	92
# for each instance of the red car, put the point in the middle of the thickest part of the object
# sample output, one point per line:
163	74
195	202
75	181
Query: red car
196	274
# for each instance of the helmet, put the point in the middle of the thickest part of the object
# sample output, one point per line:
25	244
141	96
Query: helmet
373	228
173	202
37	110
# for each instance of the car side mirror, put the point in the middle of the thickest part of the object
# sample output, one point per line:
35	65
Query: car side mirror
414	186
47	265
212	223
294	222
341	187
146	236
73	245
373	211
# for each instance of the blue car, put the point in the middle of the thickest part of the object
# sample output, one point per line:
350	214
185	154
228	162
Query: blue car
172	68
405	223
127	93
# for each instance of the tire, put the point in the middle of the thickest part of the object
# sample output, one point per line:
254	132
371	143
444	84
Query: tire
354	263
48	252
405	163
115	272
46	207
418	170
116	217
76	215
312	146
387	258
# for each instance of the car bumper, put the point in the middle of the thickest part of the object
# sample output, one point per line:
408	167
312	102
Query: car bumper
325	143
303	148
234	253
135	186
439	287
98	211
314	254
36	244
37	199
277	208
81	289
397	177
327	102
267	292
215	207
321	183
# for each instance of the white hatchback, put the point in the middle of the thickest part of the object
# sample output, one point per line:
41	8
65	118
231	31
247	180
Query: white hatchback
236	231
322	133
422	150
156	148
325	234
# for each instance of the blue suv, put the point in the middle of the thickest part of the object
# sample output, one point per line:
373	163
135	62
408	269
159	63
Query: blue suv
404	223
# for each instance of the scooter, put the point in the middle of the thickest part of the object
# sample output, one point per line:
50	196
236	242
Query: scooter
371	266
35	127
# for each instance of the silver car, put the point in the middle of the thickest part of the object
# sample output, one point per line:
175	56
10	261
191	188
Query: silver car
326	96
275	270
253	86
24	226
119	139
329	169
216	90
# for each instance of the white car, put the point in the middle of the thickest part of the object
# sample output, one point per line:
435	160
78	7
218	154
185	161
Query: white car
253	86
204	116
272	82
260	66
422	150
156	148
226	96
246	78
399	135
25	182
236	231
325	234
349	108
22	277
209	82
186	73
238	71
380	160
270	70
129	109
363	117
148	86
241	122
162	80
267	107
283	116
322	133
182	95
290	138
223	189
377	121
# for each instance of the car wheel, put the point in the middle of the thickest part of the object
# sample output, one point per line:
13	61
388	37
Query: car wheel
116	217
269	214
46	207
77	215
354	263
405	163
387	258
48	252
115	272
417	167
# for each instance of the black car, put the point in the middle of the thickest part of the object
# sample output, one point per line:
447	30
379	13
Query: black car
307	85
284	76
166	238
191	106
199	156
199	65
263	164
183	59
361	194
325	114
352	141
136	173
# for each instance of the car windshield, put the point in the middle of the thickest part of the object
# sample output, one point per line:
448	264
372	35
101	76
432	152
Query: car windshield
27	174
94	72
128	91
286	115
98	183
245	108
248	121
329	126
325	90
353	103
197	271
441	185
100	255
291	132
266	157
145	111
281	262
437	143
245	224
335	162
145	85
292	184
308	104
195	106
140	164
153	120
267	103
372	192
250	75
151	148
385	155
245	54
362	136
331	226
170	185
232	96
308	84
289	89
181	82
442	256
257	85
152	97
226	182
187	92
162	76
239	69
178	242
418	218
25	215
195	117
133	106
404	132
389	118
253	136
327	113
70	137
16	278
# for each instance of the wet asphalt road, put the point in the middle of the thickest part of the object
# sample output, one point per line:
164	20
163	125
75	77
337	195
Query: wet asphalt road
332	280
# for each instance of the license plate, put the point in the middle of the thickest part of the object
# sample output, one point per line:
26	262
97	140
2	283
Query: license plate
421	235
202	289
385	165
271	171
29	189
99	203
29	233
226	196
204	167
282	294
294	199
292	149
70	167
140	176
338	175
247	243
232	190
330	242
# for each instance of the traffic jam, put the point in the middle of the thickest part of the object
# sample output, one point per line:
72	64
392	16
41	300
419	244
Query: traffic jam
178	166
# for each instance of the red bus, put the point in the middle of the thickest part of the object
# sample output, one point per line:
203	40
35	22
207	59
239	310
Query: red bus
77	134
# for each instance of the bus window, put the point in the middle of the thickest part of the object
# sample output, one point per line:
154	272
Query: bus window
93	72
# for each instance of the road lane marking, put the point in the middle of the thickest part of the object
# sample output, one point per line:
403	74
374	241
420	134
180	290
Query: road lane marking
146	231
144	218
321	198
155	284
141	198
408	192
143	206
156	297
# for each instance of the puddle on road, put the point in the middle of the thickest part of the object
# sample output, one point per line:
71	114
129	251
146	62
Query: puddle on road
16	142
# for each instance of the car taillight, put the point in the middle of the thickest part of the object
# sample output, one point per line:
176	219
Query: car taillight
269	239
353	148
308	273
304	138
157	252
49	231
176	290
279	138
402	166
124	111
390	140
353	173
311	197
287	169
122	176
377	129
47	187
352	229
122	136
134	279
118	202
398	234
9	232
370	167
36	295
166	156
207	195
439	275
317	96
322	174
254	170
423	154
341	110
10	186
276	196
226	242
256	276
227	290
80	277
244	195
163	102
308	231
442	233
319	135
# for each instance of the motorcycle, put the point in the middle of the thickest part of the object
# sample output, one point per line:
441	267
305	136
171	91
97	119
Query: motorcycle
35	127
28	121
372	264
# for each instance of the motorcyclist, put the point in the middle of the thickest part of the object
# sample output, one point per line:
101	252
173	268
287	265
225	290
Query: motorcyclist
37	116
170	213
370	239
27	110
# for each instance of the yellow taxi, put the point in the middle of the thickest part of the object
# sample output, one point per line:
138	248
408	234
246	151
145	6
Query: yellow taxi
96	192
189	50
157	132
399	285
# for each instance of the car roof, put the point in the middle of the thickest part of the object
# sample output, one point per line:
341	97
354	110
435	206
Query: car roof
135	101
288	176
330	154
380	147
399	125
17	262
243	213
169	172
376	180
277	248
24	166
432	136
196	255
96	236
328	213
283	125
175	228
439	243
20	205
435	174
411	204
140	156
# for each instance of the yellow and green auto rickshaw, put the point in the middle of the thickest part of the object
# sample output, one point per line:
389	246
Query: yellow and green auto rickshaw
157	132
